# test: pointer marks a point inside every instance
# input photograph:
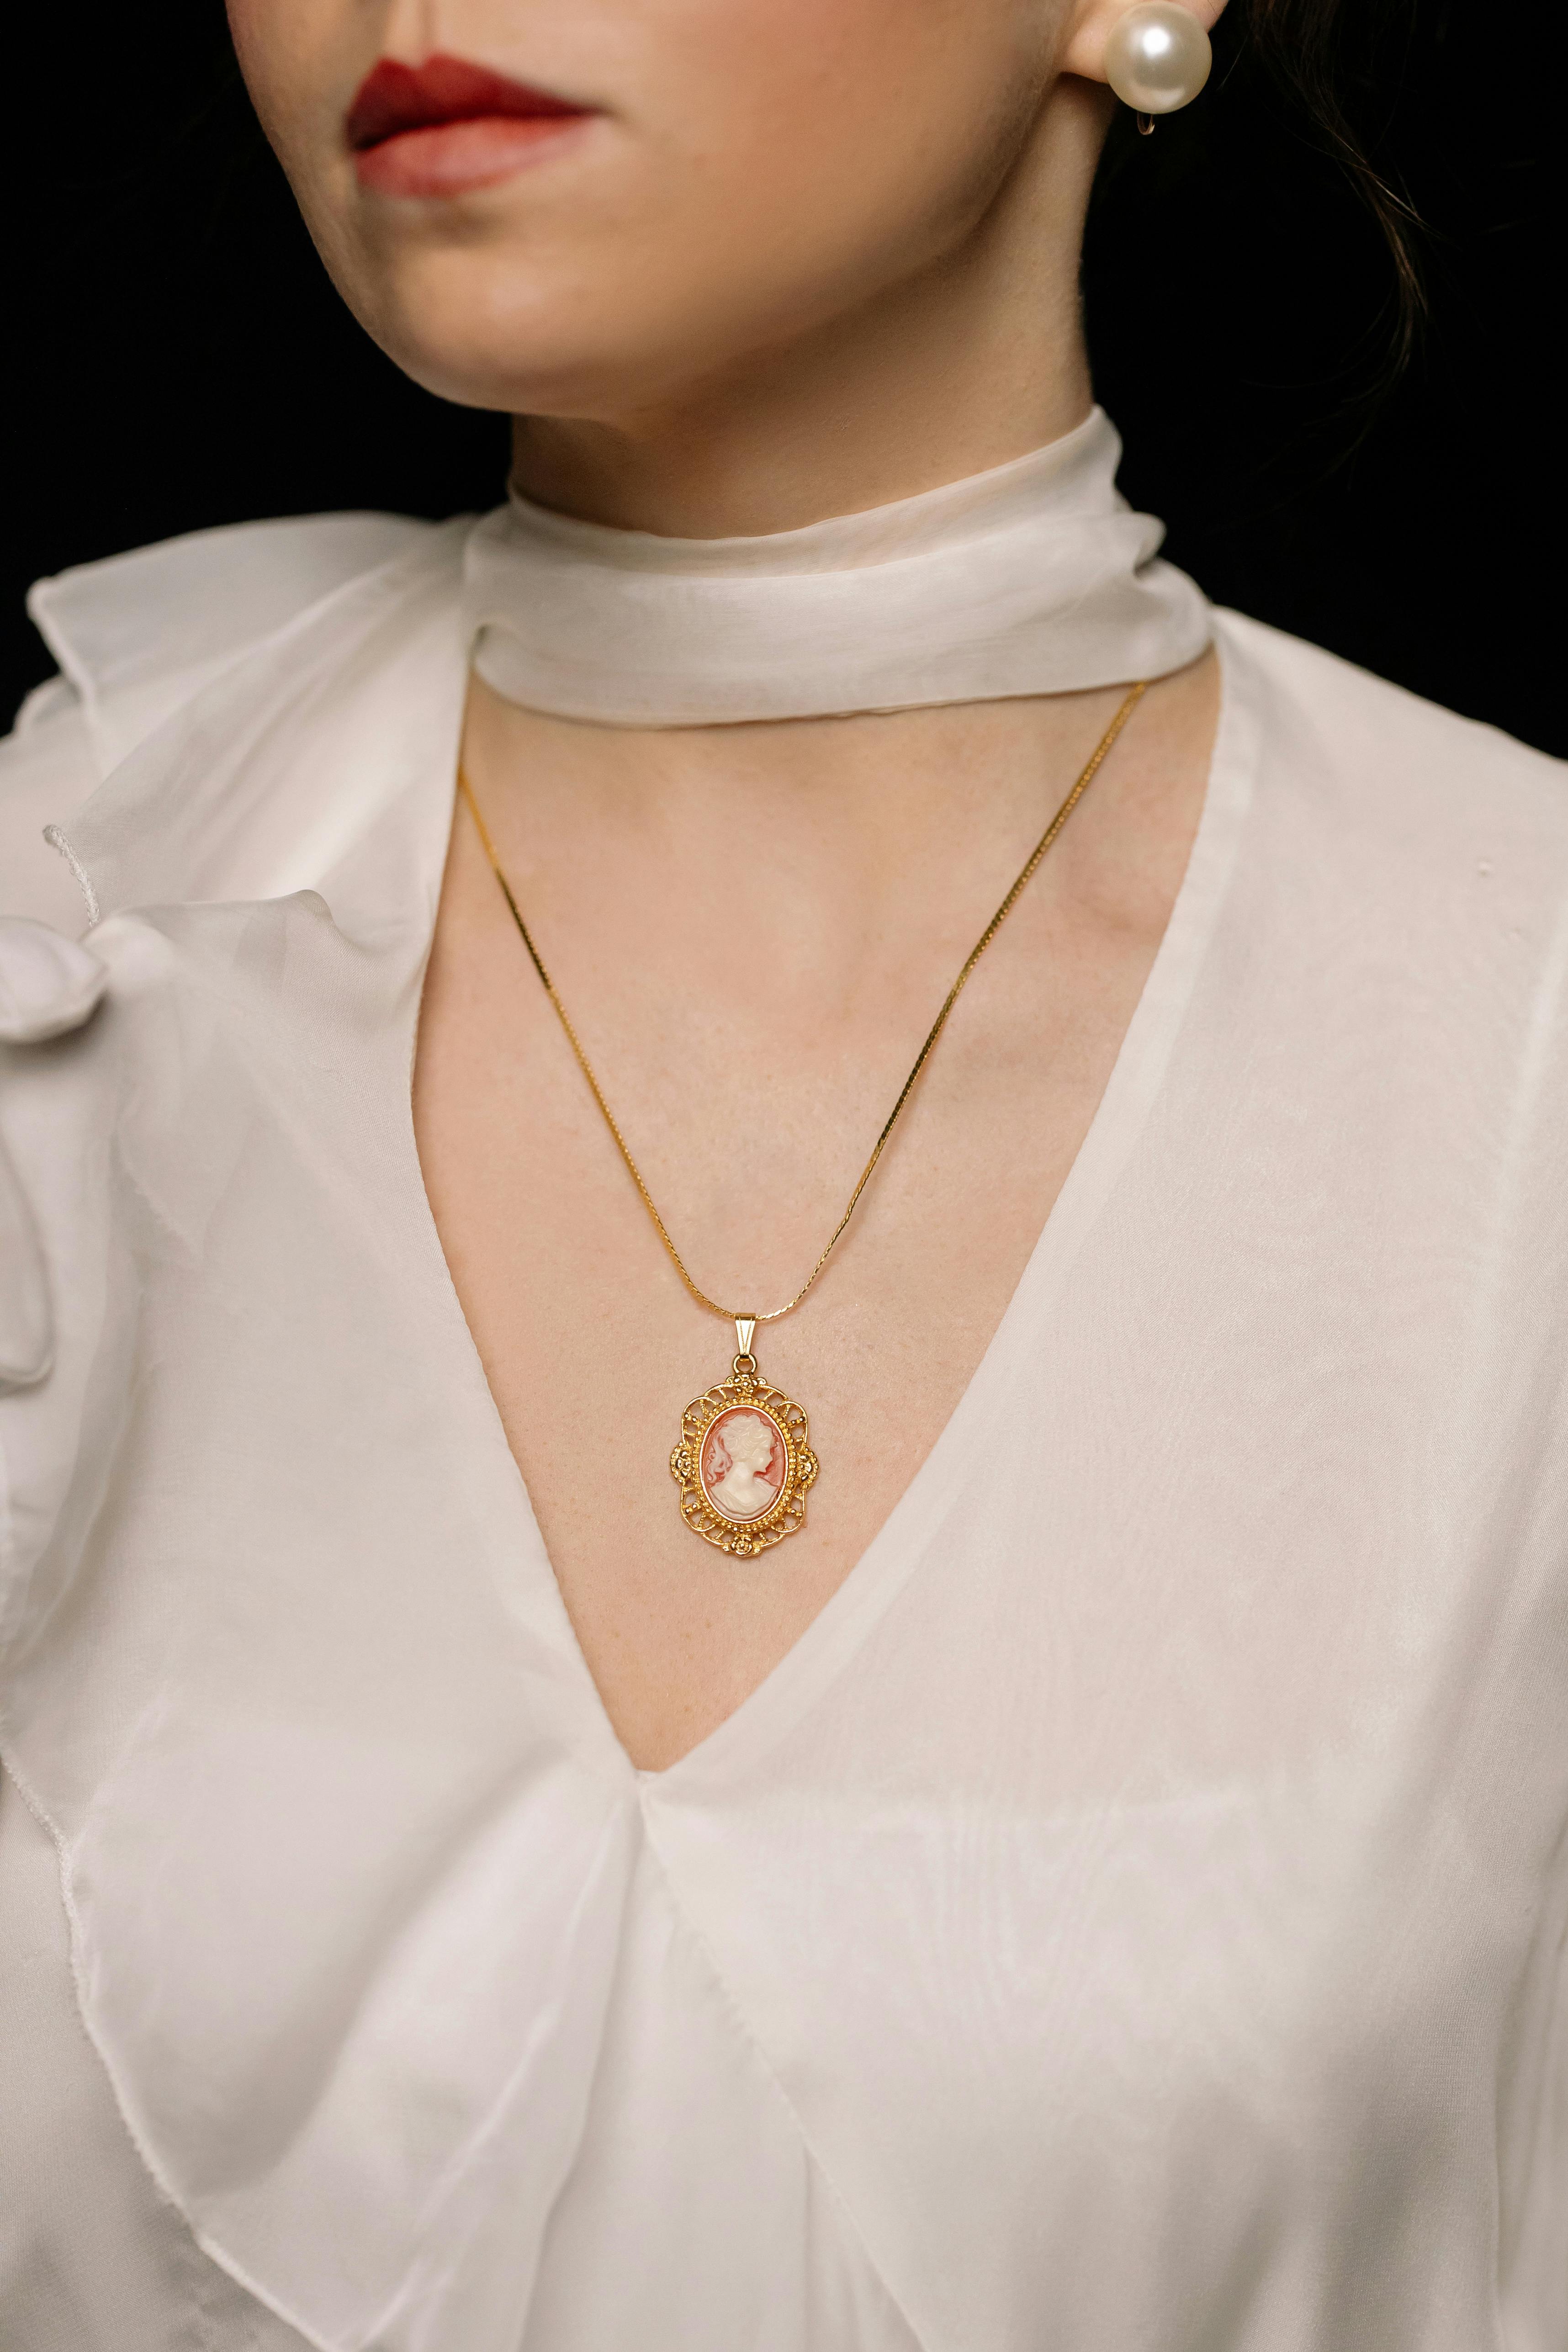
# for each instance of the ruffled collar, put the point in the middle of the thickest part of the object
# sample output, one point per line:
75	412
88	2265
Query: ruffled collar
1035	578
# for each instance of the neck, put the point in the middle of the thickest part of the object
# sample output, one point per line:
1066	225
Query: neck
975	361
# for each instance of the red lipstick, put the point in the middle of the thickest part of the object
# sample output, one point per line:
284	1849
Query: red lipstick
445	126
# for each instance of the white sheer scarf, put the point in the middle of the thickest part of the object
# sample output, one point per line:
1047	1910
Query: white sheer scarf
1035	578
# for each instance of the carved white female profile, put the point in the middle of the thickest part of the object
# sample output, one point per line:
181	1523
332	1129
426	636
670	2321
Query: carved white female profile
750	1484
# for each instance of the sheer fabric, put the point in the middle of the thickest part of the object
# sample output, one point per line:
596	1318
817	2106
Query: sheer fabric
1030	579
1130	1920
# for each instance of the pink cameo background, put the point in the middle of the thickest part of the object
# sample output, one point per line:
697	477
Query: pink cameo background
742	1465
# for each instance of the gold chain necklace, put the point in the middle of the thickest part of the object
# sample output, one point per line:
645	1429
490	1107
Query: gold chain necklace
744	1462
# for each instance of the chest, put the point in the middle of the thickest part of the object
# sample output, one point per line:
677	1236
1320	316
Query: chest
751	1123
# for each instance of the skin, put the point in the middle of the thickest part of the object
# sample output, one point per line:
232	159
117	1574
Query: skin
813	256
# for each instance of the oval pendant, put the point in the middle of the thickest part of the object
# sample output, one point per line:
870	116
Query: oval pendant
744	1463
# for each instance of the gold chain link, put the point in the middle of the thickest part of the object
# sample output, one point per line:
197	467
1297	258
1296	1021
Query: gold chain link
730	1315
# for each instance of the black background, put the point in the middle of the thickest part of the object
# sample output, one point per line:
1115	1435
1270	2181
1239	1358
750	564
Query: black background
179	359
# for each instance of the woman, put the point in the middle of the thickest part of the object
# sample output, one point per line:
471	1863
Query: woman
1091	1876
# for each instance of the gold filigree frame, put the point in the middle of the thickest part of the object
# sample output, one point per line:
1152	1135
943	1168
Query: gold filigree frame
745	1390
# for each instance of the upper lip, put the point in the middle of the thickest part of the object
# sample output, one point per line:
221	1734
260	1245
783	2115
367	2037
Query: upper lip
394	97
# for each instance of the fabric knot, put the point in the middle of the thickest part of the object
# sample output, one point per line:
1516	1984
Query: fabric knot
48	984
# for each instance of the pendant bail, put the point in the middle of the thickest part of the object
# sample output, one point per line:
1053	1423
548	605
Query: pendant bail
745	1332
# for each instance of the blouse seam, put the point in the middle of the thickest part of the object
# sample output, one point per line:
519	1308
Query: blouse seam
749	2036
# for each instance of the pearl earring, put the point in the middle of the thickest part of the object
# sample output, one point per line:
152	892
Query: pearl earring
1157	59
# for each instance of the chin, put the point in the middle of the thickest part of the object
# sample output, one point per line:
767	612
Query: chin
506	339
564	342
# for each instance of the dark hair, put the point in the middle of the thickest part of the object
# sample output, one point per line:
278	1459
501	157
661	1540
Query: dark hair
1324	54
1332	68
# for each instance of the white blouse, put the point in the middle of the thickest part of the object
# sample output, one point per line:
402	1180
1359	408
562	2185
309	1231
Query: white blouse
1132	1918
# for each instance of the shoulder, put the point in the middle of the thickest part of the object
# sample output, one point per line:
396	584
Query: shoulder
138	637
1397	781
1403	880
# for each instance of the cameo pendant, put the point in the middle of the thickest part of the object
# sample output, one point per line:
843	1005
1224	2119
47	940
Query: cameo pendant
743	1466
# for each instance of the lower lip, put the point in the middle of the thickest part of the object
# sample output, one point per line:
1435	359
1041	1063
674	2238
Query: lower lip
447	159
